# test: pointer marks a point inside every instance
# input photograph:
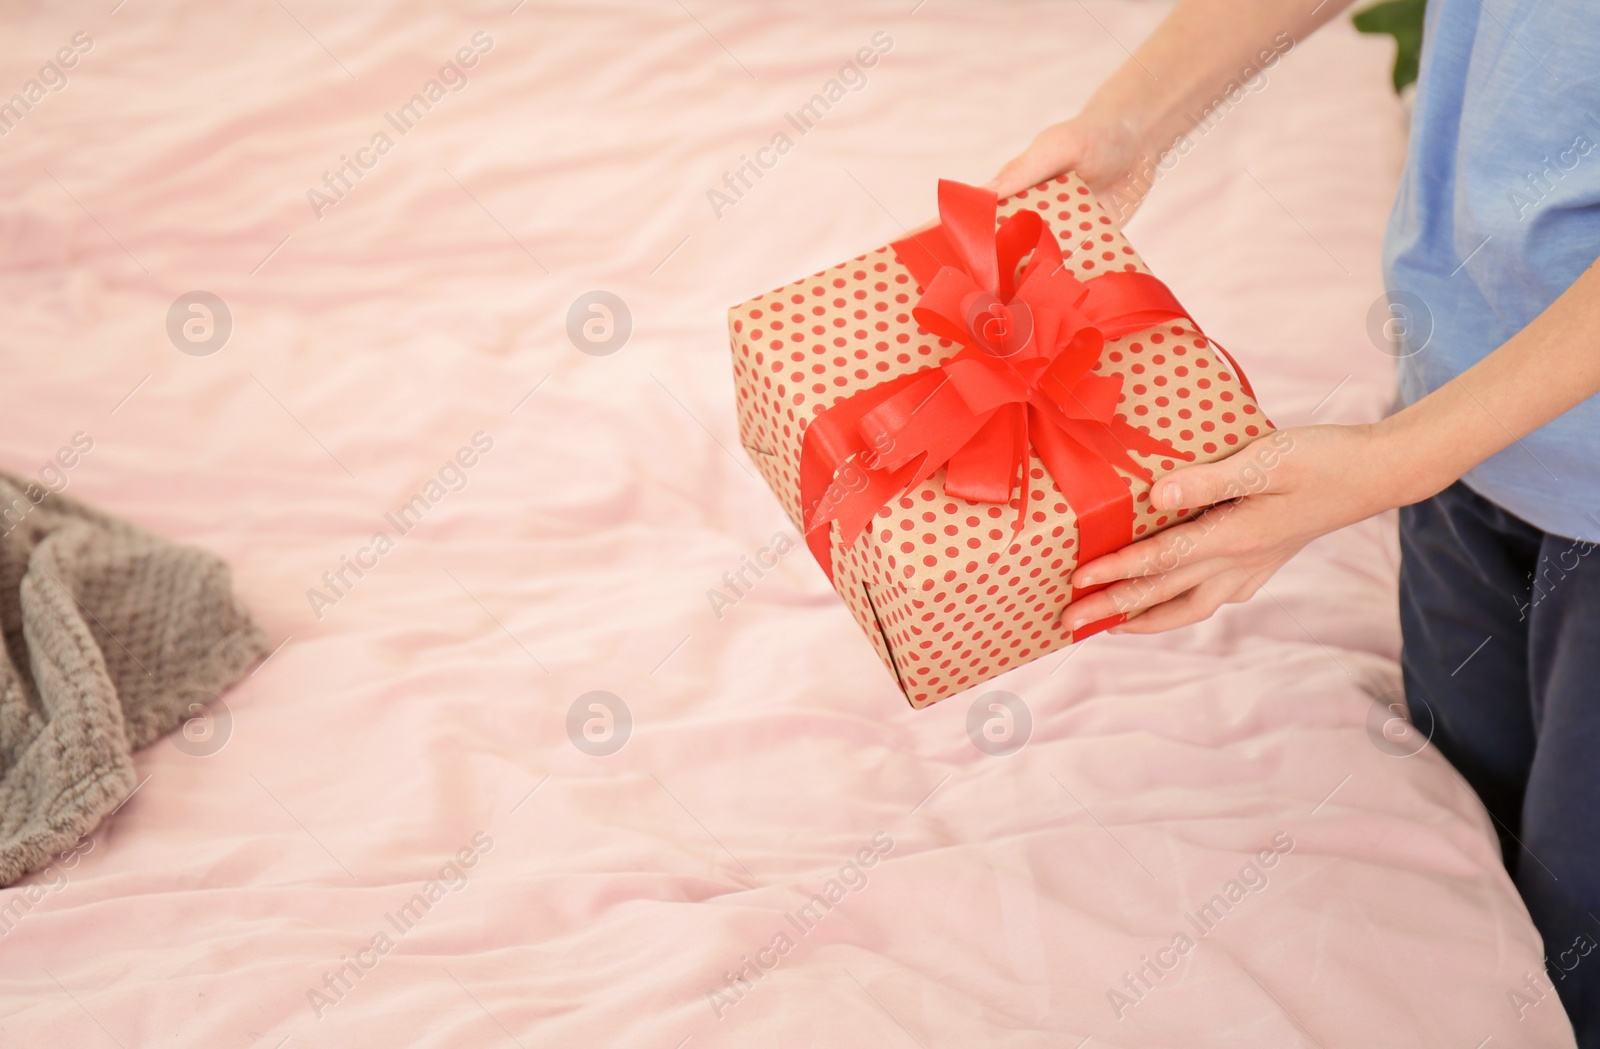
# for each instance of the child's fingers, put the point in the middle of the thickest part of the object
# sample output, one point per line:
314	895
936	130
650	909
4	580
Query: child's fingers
1022	172
1177	545
1207	484
1053	152
1187	608
1169	615
1135	595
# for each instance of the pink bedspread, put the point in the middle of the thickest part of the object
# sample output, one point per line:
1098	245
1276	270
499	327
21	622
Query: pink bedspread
387	836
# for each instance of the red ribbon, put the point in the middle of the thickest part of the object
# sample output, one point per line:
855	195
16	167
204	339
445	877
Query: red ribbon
1022	378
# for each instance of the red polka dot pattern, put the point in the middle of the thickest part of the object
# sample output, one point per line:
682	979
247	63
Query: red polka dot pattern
945	589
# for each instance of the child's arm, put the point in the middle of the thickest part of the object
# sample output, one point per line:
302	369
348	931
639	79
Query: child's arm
1198	50
1320	478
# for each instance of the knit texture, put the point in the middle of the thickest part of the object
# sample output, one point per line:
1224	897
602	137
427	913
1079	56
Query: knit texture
111	636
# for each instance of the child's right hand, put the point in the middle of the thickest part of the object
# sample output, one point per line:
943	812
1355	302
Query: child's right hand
1107	153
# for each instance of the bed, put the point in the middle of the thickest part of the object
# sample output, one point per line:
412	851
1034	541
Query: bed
518	777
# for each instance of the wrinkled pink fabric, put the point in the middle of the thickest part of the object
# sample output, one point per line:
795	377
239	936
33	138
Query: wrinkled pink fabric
405	728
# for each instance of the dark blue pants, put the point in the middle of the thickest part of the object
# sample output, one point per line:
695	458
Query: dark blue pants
1501	629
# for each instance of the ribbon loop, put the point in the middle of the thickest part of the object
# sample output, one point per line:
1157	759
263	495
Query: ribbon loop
1022	381
974	237
983	386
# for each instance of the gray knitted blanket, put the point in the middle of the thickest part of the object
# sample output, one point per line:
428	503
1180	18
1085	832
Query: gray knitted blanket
111	634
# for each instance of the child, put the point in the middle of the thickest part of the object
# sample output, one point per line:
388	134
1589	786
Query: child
1495	458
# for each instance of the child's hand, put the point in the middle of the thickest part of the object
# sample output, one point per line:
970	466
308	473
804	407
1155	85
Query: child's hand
1106	153
1275	496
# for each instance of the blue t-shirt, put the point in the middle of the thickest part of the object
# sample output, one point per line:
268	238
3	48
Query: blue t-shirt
1498	213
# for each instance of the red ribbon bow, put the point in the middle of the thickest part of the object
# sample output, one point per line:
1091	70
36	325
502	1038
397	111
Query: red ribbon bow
1021	379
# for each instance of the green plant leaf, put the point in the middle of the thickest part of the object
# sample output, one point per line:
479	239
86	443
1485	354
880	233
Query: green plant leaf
1401	19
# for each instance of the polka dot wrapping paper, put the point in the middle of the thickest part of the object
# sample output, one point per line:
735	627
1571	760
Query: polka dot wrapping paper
950	592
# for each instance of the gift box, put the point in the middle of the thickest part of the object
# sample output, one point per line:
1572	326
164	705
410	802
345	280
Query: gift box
955	420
